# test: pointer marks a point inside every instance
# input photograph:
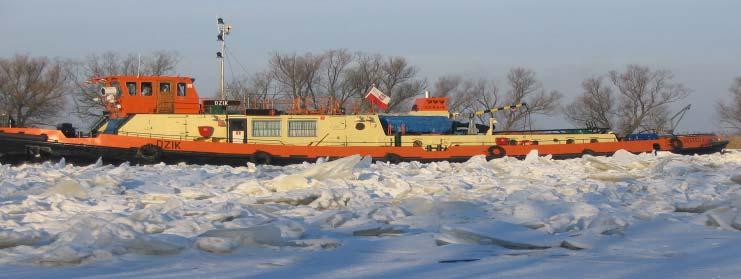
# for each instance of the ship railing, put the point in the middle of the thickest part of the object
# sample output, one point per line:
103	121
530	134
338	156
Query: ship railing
535	141
559	131
163	136
407	143
326	105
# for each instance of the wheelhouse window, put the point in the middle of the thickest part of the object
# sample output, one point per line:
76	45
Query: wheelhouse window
131	87
146	89
117	86
164	87
181	89
266	128
302	128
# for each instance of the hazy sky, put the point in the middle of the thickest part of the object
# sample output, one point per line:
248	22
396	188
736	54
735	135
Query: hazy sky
563	41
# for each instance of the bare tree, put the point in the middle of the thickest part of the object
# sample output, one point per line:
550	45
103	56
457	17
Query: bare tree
472	95
467	96
484	94
595	107
524	87
334	69
393	75
730	112
33	88
238	89
398	80
644	97
110	63
253	91
450	87
297	75
262	87
161	63
366	72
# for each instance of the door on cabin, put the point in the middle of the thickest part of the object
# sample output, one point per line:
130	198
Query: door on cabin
238	130
165	98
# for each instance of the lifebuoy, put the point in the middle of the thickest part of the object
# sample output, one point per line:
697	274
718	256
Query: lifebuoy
392	158
496	151
676	143
149	153
261	158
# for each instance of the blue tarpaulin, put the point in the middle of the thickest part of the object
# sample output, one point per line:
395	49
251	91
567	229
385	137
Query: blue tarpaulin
417	124
642	136
113	125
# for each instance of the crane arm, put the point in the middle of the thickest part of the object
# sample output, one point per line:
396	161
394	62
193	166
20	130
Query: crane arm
679	114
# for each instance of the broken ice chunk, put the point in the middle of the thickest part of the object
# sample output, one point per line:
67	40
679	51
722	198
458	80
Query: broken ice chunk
507	235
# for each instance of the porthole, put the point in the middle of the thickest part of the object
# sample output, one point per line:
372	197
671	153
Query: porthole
359	126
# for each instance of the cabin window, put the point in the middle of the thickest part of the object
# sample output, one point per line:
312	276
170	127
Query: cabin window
302	128
266	128
146	89
164	87
181	89
131	87
118	88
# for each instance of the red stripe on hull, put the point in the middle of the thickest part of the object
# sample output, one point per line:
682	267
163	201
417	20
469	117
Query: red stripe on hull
312	152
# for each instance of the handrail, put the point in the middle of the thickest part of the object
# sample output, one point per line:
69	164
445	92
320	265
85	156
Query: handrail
259	140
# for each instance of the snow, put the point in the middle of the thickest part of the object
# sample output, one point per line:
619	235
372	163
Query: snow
628	215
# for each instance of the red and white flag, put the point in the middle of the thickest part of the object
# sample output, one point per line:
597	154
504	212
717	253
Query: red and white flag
379	99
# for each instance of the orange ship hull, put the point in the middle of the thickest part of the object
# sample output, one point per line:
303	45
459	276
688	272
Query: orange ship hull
23	144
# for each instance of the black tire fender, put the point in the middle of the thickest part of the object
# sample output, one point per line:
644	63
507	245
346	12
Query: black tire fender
261	158
676	143
496	151
392	158
149	153
588	152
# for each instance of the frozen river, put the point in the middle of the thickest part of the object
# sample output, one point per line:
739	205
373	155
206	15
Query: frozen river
665	216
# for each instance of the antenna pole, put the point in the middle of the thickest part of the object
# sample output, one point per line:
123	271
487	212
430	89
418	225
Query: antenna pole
224	30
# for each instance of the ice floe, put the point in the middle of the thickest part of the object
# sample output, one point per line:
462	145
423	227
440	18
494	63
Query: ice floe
473	212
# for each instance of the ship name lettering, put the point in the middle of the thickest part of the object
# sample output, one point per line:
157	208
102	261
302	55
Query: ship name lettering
168	144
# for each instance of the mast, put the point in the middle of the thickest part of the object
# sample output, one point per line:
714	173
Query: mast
224	30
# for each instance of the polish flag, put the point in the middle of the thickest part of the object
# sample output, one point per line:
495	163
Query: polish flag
379	99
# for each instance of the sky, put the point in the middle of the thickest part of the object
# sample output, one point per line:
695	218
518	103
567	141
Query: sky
563	41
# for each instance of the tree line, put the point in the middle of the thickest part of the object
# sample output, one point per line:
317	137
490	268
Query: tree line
33	90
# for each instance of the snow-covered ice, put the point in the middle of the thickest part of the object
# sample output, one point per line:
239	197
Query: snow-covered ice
664	216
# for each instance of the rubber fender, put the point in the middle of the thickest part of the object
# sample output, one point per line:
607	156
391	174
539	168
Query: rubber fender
588	152
392	158
261	158
149	153
676	143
